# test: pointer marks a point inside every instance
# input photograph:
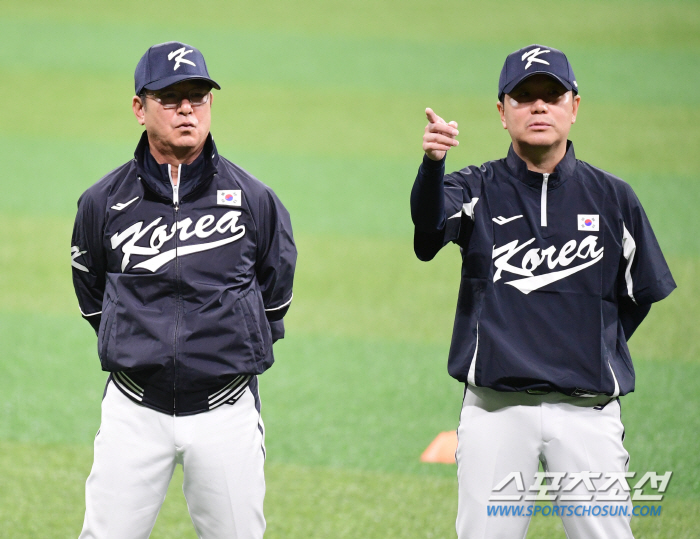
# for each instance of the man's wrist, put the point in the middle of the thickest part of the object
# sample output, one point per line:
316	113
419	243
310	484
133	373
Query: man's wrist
431	164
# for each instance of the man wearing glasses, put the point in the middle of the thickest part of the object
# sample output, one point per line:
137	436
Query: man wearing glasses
183	264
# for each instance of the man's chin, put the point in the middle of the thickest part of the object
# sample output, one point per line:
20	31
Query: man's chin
186	141
541	141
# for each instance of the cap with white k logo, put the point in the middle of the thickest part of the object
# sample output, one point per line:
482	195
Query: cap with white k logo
535	60
169	63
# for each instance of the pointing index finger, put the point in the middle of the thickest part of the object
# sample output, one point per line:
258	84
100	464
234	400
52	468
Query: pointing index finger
432	117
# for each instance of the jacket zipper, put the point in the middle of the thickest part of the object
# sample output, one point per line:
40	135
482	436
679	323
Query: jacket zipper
543	205
178	299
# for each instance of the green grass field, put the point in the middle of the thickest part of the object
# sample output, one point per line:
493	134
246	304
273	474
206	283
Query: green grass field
323	101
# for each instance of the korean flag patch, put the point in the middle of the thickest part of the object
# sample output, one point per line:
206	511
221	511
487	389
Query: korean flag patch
589	223
228	197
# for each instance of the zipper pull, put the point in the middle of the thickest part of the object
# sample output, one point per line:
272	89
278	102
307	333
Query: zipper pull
543	204
175	186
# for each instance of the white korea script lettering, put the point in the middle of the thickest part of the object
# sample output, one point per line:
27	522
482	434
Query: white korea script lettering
536	257
203	228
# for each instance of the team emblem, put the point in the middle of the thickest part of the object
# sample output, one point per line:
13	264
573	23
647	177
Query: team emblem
532	56
179	59
589	223
228	197
75	252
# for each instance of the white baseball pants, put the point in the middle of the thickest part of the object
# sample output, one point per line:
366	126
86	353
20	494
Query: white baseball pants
501	433
137	449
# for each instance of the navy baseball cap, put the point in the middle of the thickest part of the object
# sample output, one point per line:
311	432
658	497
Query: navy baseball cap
168	63
535	60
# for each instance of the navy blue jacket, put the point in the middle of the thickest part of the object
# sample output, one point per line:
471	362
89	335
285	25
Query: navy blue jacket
186	290
558	270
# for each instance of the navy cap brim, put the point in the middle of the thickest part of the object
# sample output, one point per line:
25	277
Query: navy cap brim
167	81
509	87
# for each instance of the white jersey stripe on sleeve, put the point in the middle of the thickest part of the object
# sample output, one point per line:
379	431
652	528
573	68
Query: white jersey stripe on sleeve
629	247
471	375
616	393
467	209
281	306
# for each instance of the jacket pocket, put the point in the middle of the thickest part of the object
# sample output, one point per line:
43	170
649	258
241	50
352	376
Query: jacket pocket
257	324
105	336
228	337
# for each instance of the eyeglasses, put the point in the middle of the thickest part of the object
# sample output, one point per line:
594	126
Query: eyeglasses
172	100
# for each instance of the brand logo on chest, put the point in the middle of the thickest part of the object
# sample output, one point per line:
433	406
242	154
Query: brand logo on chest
205	227
570	252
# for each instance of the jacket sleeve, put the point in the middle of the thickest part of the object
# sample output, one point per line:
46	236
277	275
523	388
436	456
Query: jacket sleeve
631	315
88	260
644	276
438	209
276	260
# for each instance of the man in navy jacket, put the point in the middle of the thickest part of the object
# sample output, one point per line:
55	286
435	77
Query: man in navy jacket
560	266
183	263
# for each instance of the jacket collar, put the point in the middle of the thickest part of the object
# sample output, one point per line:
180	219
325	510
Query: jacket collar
563	171
193	176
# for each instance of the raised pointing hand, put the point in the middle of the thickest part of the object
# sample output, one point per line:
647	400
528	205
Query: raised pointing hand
439	136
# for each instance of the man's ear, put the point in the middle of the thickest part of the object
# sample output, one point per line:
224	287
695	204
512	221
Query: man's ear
502	111
139	109
576	102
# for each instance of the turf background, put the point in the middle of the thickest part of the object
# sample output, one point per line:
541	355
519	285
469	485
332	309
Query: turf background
323	100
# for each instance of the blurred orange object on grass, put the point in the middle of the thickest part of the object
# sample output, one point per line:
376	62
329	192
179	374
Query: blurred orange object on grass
441	449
